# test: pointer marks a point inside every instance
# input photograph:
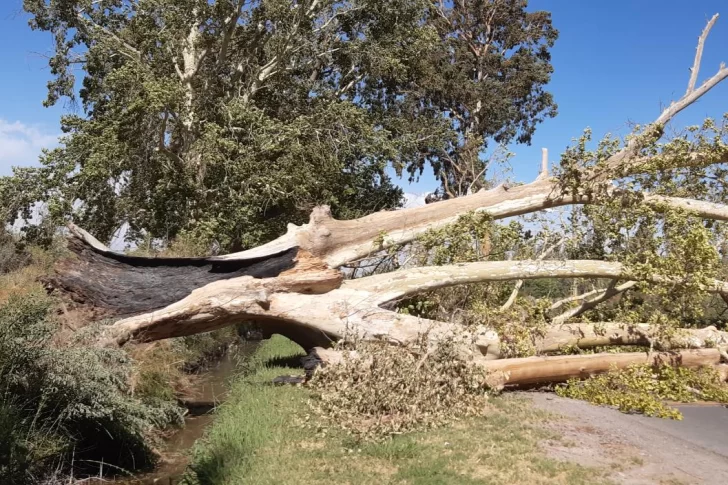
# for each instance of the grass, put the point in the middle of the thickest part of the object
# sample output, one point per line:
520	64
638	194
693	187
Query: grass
258	438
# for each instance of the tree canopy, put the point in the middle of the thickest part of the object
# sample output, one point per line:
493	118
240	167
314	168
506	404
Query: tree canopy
228	119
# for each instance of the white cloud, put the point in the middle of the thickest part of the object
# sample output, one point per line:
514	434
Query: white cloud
21	144
414	200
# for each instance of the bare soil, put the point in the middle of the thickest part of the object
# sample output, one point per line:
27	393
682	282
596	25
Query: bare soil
638	449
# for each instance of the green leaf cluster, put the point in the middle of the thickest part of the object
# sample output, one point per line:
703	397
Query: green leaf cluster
229	119
644	388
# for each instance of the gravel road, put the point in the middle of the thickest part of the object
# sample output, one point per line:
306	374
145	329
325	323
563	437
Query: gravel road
641	450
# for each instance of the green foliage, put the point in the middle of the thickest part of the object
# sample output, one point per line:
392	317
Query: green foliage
643	388
13	255
227	120
385	390
70	402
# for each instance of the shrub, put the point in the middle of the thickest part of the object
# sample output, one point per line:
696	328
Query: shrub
12	255
59	404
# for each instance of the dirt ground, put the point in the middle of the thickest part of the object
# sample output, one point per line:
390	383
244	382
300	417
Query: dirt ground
641	450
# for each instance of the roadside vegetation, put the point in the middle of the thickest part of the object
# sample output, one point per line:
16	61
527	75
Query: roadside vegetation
264	435
67	407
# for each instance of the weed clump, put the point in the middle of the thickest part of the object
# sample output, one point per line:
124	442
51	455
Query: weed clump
67	404
382	390
644	388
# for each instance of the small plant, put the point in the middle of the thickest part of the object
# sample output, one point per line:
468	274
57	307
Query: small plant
644	388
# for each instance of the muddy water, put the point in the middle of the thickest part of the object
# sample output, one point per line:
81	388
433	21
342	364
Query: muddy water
212	389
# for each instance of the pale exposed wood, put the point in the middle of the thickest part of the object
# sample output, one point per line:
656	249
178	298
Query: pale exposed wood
537	370
550	369
519	283
699	54
703	209
620	161
544	173
600	334
224	303
589	303
339	242
391	286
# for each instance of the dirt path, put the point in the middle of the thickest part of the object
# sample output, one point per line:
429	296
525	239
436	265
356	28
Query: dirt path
641	450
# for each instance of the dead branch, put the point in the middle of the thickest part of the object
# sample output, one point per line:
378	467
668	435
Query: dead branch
620	160
551	369
699	54
589	303
602	334
411	281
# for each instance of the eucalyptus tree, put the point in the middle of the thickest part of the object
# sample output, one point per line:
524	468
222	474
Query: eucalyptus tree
227	119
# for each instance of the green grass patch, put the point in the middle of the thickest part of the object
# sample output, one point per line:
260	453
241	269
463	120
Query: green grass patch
259	437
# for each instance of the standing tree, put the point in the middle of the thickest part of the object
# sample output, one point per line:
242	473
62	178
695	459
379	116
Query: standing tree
228	119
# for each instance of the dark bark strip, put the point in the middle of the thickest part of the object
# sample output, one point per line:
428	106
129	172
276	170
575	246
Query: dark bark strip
123	285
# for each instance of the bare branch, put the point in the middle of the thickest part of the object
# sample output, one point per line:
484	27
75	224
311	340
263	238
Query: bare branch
411	281
544	173
519	283
699	54
621	158
339	242
588	303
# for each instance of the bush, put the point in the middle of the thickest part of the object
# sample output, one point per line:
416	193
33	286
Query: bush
12	255
64	404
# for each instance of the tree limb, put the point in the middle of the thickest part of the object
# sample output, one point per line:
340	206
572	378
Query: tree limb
537	370
519	283
620	160
699	54
411	281
589	303
602	334
339	242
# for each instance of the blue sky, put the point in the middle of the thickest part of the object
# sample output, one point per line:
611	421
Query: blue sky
615	61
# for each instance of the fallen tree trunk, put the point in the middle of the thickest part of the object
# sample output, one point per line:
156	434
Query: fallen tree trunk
308	302
603	334
544	370
537	370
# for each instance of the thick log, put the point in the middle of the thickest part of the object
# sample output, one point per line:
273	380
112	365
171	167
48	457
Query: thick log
339	242
296	304
538	370
550	369
126	285
601	334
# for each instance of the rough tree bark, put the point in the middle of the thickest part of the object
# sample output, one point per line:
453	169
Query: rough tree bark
292	285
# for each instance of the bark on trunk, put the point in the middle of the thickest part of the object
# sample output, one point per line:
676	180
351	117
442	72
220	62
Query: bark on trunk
537	370
544	370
